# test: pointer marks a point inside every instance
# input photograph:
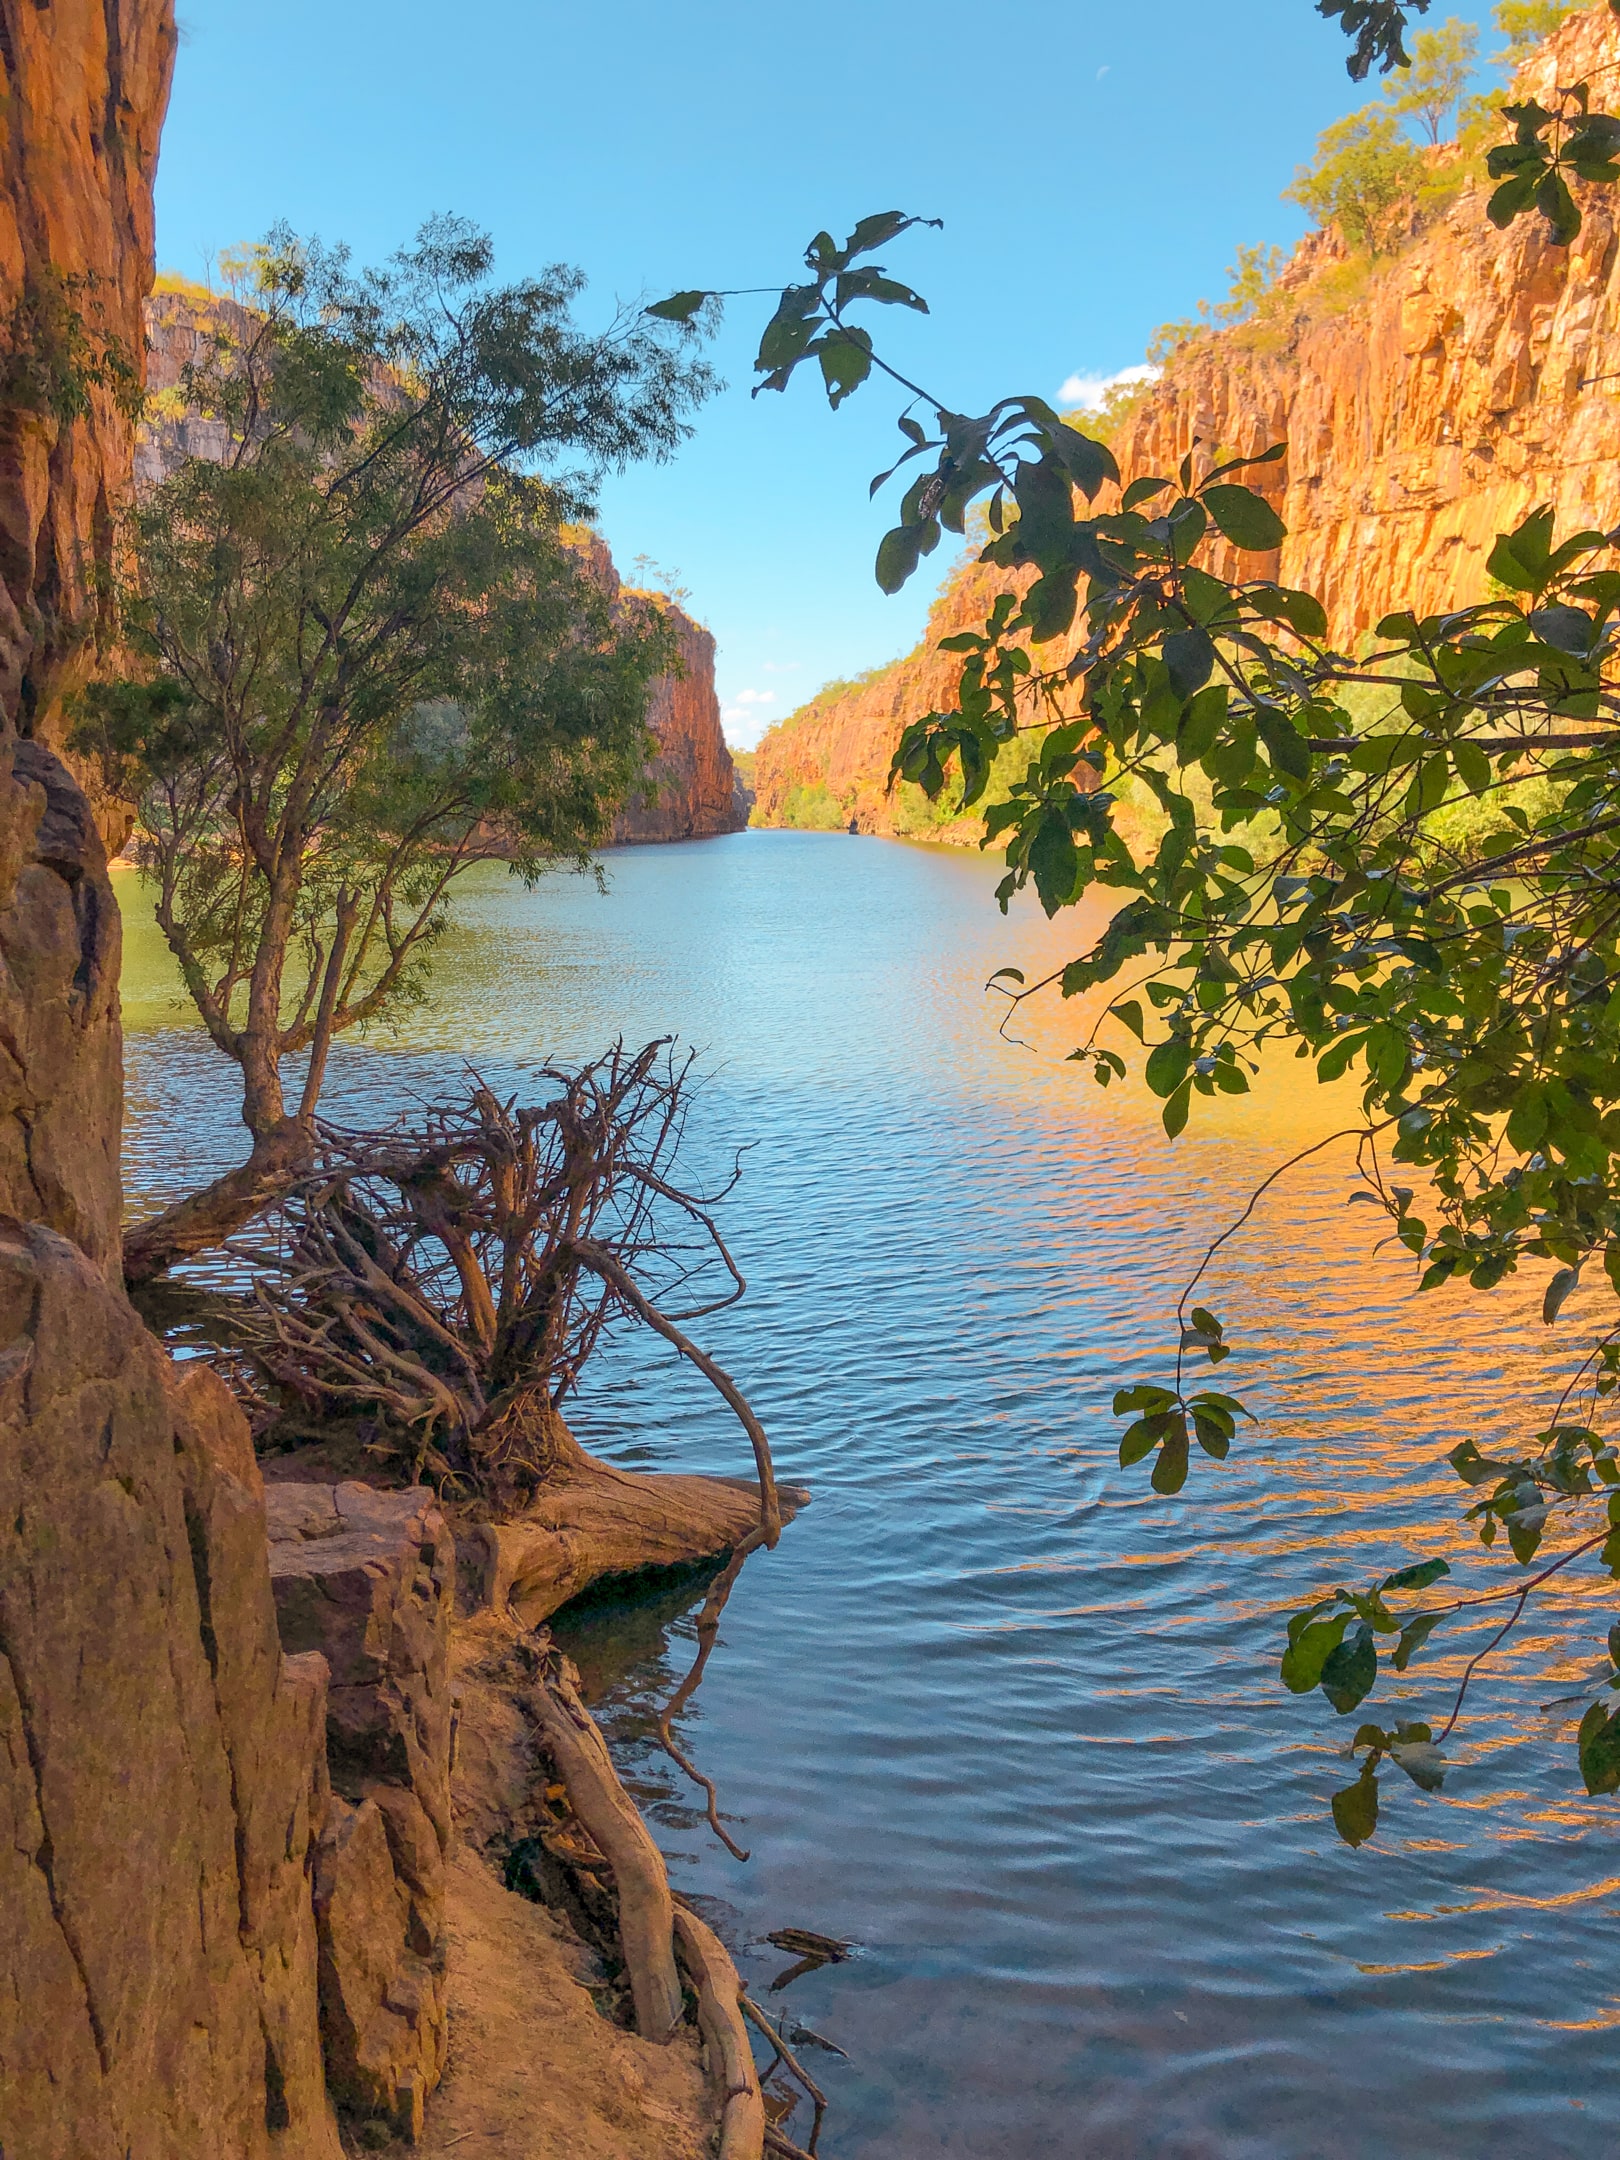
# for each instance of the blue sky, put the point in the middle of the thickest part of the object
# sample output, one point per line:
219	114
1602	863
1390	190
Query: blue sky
1096	166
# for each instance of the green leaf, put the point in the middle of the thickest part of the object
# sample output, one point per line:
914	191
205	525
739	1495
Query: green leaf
1416	1578
1507	202
1053	861
1558	206
679	307
1310	1650
1413	1636
1598	1747
1558	1290
1190	657
1141	491
897	556
1174	1117
1213	1438
1355	1810
1141	1439
846	361
1474	1468
1422	1761
1170	1471
1246	518
1350	1669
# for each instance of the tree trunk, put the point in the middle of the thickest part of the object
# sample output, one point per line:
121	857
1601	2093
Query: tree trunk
280	1156
589	1520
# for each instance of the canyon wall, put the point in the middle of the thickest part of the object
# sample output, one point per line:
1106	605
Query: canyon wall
202	1938
1427	406
695	791
159	1757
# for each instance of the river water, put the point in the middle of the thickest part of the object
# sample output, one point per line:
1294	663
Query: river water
992	1709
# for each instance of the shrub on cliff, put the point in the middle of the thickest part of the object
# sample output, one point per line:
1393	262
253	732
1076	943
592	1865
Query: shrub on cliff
371	655
1364	179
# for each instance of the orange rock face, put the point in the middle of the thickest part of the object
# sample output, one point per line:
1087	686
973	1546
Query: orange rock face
843	742
1471	381
697	791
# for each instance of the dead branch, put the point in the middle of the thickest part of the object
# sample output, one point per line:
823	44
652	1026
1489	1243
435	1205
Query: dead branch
708	1627
818	2099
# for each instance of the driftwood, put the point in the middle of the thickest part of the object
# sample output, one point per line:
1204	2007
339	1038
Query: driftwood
731	2059
579	1754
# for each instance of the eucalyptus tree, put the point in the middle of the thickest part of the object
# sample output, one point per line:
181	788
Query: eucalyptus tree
372	649
1402	863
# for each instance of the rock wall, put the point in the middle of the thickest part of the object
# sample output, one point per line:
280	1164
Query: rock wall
842	742
1472	380
697	792
164	1789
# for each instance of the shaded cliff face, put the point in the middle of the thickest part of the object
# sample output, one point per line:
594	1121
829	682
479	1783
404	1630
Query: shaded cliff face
697	791
85	86
161	1761
1470	381
696	794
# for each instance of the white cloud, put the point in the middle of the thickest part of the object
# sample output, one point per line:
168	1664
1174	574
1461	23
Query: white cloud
743	720
1089	392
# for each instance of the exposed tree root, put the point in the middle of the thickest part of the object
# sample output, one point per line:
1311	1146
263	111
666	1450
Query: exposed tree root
609	1816
590	1520
205	1219
731	2059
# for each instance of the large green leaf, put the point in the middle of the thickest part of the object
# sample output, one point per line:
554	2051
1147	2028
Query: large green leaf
1246	518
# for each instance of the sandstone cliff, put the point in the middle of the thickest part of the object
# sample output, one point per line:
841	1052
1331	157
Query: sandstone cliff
695	792
1426	408
161	1760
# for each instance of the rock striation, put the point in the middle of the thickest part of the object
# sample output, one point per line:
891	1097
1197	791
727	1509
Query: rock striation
1471	380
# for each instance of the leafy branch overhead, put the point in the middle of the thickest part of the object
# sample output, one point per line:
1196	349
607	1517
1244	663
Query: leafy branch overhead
1402	864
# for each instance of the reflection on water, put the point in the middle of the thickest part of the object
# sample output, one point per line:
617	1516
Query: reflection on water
992	1709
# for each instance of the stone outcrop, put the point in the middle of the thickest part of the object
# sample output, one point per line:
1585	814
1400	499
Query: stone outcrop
1471	380
85	85
162	1762
365	1580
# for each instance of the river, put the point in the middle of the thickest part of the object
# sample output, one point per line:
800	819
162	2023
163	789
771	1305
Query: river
992	1709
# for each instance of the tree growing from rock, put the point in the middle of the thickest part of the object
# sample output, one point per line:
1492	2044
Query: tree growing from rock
372	653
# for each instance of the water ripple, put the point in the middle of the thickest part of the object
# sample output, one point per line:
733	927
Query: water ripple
991	1709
